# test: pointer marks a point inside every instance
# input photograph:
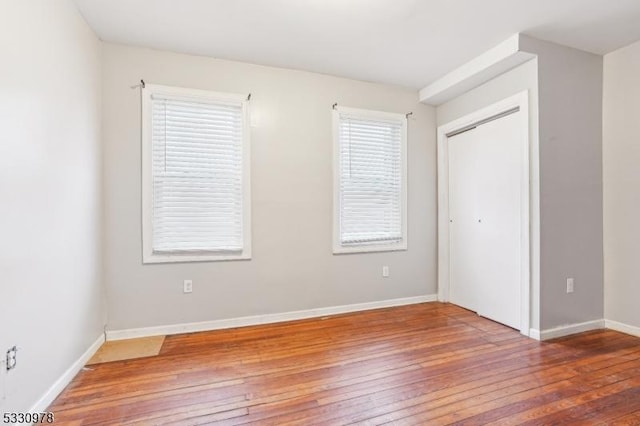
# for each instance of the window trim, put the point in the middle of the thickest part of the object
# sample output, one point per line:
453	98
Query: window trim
338	248
148	255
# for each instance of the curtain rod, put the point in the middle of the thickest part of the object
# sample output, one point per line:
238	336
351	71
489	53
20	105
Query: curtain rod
334	106
143	85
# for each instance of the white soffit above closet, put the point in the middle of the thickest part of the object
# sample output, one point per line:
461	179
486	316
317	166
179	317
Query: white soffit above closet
501	58
405	42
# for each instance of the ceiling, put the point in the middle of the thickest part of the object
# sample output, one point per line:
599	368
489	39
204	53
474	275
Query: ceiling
405	42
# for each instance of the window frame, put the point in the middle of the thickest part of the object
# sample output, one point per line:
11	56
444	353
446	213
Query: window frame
338	247
148	255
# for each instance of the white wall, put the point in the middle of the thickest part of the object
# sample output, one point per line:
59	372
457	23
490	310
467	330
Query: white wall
621	152
521	78
292	267
50	296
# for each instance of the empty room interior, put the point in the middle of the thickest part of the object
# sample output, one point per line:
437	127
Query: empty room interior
330	212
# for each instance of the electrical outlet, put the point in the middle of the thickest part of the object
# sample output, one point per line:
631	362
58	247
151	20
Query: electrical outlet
11	361
187	286
569	285
385	271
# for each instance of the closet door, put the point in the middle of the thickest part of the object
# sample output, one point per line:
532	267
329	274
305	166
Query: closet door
485	169
498	224
464	255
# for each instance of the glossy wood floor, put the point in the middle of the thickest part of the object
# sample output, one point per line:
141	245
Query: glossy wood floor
428	364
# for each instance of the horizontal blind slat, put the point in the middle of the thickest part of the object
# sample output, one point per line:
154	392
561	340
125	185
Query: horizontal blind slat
370	180
197	160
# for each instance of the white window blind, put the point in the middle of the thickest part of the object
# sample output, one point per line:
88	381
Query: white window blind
197	175
371	179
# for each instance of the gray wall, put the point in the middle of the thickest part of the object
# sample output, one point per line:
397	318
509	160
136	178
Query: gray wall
570	120
521	78
292	267
621	148
566	106
50	296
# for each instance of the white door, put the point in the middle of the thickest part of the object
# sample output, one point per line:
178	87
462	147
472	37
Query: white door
485	172
464	258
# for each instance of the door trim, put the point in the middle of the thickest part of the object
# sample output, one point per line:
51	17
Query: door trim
521	101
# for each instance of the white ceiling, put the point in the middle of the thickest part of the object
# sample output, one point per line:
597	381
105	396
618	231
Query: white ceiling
405	42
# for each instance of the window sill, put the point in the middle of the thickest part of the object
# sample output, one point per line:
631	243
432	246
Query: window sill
369	248
151	258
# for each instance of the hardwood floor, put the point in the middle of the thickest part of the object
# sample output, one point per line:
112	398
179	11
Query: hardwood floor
431	363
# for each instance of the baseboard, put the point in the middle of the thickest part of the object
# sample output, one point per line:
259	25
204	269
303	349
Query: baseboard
534	333
66	377
567	330
262	319
623	328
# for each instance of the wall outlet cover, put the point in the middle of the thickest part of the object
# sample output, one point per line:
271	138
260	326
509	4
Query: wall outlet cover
570	285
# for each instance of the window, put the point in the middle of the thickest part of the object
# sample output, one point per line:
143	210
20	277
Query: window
370	181
195	175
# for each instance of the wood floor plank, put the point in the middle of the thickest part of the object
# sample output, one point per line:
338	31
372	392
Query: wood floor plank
473	407
628	419
430	363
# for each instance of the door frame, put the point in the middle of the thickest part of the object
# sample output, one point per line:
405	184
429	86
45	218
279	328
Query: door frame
520	100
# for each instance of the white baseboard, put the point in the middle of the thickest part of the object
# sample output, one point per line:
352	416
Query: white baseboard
59	385
534	333
262	319
566	330
623	328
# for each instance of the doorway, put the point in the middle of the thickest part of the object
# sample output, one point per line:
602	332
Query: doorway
484	212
